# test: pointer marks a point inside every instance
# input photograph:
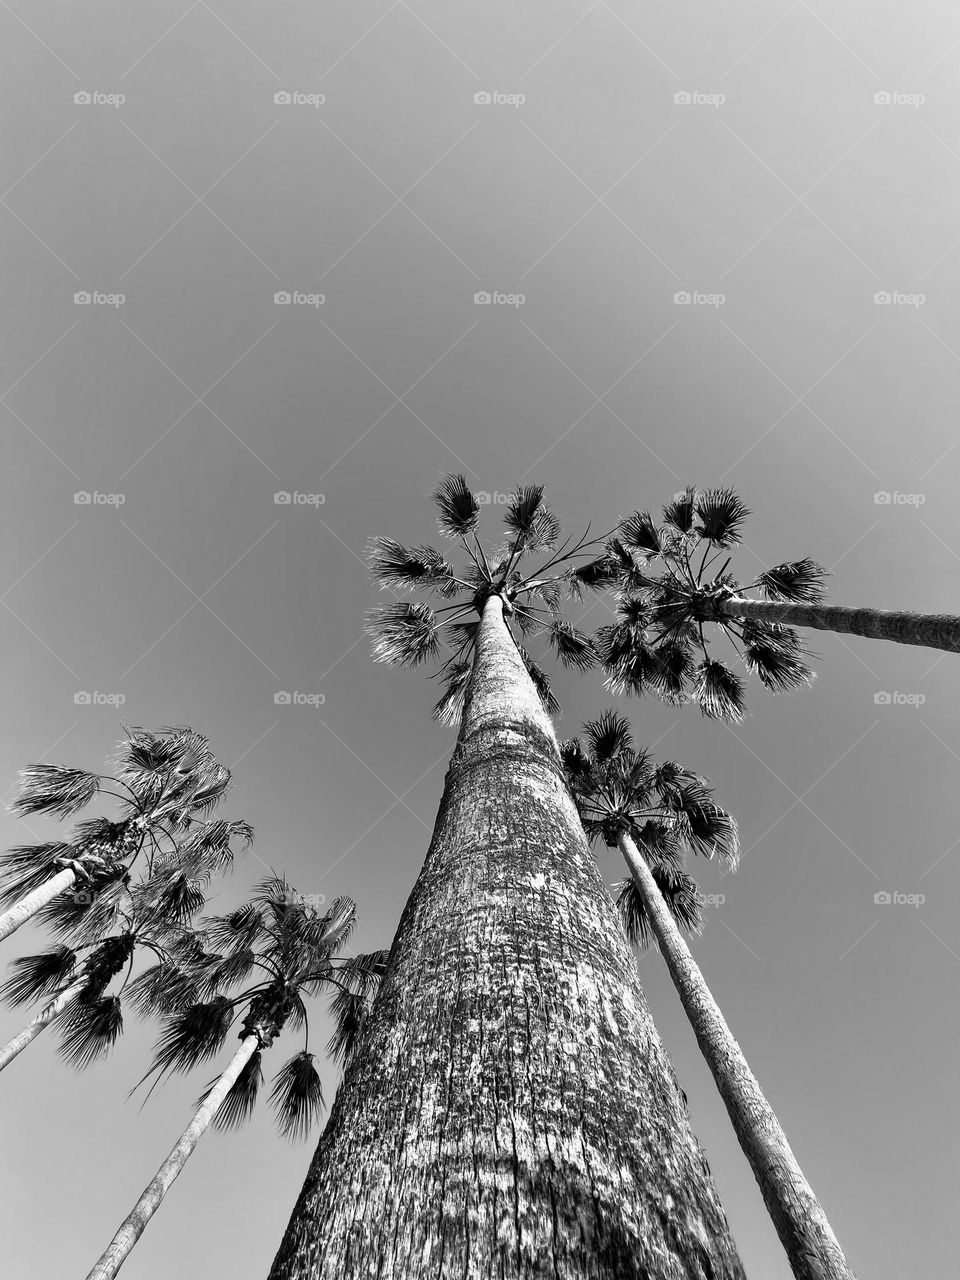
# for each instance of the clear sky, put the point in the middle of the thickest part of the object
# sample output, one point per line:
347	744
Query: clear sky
782	186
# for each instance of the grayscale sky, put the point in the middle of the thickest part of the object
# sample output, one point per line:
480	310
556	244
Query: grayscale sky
783	195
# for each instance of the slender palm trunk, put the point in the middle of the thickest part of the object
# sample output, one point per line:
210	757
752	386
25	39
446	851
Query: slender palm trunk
510	1111
933	630
132	1227
43	1019
32	902
799	1220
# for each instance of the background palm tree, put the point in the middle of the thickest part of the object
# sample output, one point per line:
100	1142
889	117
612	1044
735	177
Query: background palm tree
658	644
510	1108
653	814
291	949
165	782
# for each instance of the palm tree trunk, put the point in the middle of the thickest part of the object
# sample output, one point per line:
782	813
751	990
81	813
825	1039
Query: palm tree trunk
933	630
132	1227
510	1111
43	1019
32	902
799	1220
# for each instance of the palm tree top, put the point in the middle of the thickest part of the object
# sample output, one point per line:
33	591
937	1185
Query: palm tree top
279	950
529	568
658	644
666	809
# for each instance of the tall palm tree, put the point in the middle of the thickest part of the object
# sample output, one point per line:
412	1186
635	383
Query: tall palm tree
658	644
165	783
653	814
294	948
510	1109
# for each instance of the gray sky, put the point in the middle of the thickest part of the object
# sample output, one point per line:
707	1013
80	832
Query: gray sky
797	197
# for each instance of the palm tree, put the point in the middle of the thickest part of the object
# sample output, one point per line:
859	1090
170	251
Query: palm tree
166	782
294	947
653	814
658	645
510	1109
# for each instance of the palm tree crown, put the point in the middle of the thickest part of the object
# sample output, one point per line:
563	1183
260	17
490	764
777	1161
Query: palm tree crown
666	809
658	644
408	634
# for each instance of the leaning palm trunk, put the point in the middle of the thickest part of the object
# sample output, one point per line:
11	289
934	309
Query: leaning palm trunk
799	1220
43	1019
509	1110
31	903
933	630
130	1231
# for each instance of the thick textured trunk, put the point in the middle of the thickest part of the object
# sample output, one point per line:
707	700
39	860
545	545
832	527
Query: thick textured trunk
132	1227
29	905
42	1020
933	630
799	1220
510	1111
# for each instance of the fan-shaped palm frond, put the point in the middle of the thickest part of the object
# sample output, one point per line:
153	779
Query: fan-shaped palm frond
403	634
238	1105
679	892
28	866
449	706
572	647
639	532
718	691
39	975
54	789
608	736
458	508
193	1035
800	581
721	514
402	568
297	1096
90	1026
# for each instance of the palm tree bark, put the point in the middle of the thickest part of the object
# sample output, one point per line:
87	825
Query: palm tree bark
932	630
510	1111
32	902
132	1227
797	1215
43	1019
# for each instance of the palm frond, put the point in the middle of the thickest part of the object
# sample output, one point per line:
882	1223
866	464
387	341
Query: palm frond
193	1035
718	691
541	682
639	532
54	789
404	634
38	975
403	568
90	1026
297	1096
212	843
711	831
575	761
449	706
348	1009
572	647
237	931
596	575
801	581
241	1100
27	867
680	893
609	736
522	509
778	670
162	989
721	514
680	512
458	508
